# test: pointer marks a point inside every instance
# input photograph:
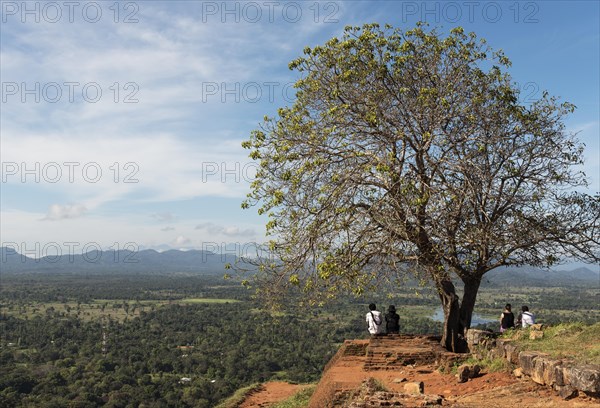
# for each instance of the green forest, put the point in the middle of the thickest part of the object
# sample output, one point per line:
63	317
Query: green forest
190	341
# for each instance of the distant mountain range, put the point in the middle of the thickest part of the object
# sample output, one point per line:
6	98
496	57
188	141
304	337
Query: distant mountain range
199	262
123	261
559	276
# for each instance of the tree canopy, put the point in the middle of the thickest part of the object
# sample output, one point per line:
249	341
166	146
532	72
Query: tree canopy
410	148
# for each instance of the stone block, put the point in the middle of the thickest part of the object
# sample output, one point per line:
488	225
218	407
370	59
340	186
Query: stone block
463	373
497	352
527	361
432	400
550	372
475	337
559	378
585	378
566	392
544	370
512	353
414	387
502	342
466	371
536	334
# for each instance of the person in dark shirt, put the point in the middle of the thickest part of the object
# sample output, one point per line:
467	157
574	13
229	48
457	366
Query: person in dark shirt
392	321
507	319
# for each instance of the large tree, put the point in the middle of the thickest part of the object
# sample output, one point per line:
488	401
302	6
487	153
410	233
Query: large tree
410	148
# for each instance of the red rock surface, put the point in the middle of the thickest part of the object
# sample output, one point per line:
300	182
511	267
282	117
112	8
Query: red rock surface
388	360
396	361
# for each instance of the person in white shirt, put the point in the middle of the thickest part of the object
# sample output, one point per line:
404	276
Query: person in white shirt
526	318
374	320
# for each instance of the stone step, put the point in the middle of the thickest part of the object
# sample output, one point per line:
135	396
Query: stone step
393	352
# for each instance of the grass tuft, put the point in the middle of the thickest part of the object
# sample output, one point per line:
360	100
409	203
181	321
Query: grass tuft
576	341
298	400
239	396
487	364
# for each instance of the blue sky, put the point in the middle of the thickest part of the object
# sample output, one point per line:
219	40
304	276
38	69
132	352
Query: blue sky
121	123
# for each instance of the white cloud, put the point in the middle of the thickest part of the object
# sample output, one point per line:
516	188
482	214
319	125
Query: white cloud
167	139
163	217
60	212
175	142
181	241
158	168
131	230
228	231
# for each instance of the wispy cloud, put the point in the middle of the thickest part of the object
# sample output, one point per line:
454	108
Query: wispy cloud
229	231
181	241
163	217
60	212
162	143
162	147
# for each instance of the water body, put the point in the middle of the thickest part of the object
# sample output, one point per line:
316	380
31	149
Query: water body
476	319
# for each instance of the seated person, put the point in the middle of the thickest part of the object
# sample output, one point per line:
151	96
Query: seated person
507	319
374	320
526	318
392	321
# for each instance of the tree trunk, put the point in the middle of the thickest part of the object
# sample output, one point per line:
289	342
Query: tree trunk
468	303
452	337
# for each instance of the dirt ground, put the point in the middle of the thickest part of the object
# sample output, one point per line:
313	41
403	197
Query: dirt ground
270	393
487	390
387	362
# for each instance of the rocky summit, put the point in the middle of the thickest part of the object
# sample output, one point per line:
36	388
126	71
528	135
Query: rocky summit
415	371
